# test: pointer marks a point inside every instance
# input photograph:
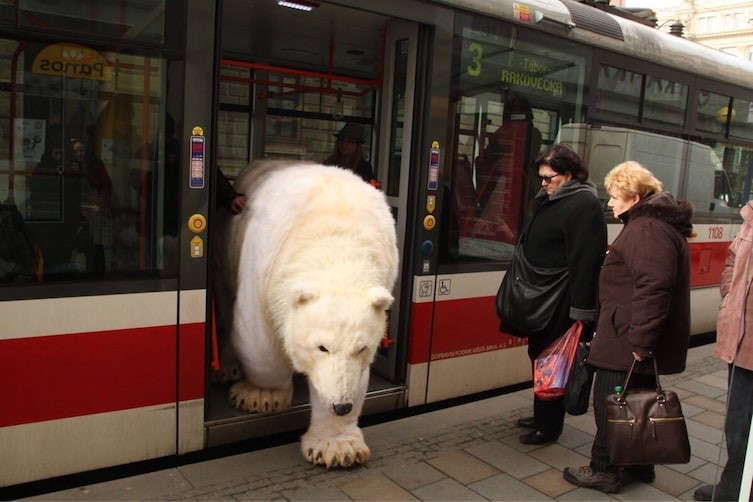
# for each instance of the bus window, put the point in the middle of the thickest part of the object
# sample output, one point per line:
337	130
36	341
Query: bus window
712	112
501	127
741	125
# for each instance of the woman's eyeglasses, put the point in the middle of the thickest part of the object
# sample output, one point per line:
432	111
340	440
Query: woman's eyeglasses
548	179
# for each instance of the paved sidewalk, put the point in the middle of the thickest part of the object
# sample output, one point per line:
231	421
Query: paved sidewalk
467	452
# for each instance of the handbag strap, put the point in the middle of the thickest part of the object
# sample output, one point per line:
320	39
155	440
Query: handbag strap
659	390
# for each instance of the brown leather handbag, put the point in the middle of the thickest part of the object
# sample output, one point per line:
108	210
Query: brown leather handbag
646	426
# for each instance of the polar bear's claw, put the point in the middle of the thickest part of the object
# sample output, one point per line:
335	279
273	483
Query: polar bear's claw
248	397
345	450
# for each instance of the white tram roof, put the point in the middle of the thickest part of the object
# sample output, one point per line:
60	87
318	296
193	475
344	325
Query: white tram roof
599	28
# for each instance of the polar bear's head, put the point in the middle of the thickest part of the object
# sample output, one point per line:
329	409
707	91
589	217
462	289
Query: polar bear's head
332	338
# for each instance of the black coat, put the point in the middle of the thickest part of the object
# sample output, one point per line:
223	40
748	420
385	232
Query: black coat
566	229
644	289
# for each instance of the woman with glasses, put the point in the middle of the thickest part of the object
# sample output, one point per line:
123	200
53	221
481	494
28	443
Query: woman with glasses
566	230
348	153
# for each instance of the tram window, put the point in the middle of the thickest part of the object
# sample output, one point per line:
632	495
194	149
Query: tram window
7	13
619	94
741	124
143	20
712	112
500	128
232	141
665	102
88	170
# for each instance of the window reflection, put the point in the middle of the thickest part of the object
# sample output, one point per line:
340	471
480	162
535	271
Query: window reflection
88	167
500	129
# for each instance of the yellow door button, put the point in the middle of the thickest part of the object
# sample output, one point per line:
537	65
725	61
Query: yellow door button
430	222
197	223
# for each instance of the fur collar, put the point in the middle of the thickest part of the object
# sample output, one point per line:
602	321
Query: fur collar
664	207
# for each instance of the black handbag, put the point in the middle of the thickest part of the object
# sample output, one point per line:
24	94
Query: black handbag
646	426
578	389
528	295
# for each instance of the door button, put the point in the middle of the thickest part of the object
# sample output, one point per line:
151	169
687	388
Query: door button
197	223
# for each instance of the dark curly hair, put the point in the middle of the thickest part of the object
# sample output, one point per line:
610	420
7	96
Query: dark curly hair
563	159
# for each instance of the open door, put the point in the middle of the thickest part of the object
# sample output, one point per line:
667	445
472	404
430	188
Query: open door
395	140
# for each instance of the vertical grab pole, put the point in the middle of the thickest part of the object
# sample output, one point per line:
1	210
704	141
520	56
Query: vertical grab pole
747	469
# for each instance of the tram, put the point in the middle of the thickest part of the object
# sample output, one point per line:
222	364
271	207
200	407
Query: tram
117	117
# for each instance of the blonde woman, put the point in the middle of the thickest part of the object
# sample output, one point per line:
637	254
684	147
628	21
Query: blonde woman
644	295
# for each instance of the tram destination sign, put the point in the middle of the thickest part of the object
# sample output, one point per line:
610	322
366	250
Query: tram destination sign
489	65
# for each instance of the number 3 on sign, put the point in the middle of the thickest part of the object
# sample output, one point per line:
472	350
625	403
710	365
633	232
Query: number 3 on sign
474	69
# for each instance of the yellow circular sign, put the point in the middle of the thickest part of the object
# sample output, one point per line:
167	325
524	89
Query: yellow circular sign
197	131
197	223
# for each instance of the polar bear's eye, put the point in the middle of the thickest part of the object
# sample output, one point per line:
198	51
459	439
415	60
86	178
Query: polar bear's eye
323	348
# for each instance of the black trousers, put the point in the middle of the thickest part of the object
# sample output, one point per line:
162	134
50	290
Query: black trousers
549	415
737	427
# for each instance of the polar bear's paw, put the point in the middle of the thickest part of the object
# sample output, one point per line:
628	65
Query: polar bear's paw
248	397
345	450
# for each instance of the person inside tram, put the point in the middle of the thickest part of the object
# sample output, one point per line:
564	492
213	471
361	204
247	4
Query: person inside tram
96	207
348	153
45	183
501	169
227	197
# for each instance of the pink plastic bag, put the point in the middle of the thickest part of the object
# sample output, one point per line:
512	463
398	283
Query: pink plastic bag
553	366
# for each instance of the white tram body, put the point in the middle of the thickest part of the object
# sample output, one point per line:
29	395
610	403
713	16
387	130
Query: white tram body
105	367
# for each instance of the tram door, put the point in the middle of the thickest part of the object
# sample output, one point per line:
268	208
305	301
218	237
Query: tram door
395	133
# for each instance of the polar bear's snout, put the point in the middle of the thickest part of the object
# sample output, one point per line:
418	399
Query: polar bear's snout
341	409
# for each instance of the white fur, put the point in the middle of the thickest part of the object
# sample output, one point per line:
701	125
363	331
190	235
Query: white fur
310	263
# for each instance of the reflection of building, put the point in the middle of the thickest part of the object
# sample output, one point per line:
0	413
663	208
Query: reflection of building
722	24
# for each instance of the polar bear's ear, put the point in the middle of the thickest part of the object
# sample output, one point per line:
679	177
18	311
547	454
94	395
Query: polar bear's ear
379	297
303	293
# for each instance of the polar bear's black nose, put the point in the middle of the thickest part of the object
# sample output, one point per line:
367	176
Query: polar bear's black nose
342	408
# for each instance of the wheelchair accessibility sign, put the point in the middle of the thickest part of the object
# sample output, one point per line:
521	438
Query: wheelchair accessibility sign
445	287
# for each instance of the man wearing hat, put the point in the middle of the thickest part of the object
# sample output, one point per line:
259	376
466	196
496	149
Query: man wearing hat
348	153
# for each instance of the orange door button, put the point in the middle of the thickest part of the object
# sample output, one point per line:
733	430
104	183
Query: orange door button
197	223
430	222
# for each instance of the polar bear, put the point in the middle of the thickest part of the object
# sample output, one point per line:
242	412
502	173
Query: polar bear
309	266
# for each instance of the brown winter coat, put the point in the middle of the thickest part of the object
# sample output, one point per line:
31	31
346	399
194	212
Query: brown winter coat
644	289
731	326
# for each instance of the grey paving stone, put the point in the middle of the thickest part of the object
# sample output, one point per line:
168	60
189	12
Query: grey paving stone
642	491
506	459
140	487
573	438
446	489
414	475
707	473
585	494
375	487
702	388
308	494
711	452
505	487
703	432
